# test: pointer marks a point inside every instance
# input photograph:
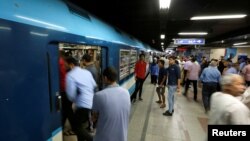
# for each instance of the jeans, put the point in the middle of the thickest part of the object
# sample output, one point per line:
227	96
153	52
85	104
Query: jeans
171	92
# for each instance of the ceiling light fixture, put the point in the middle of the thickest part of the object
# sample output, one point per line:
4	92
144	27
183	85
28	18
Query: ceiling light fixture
242	43
165	4
162	36
192	33
218	17
241	46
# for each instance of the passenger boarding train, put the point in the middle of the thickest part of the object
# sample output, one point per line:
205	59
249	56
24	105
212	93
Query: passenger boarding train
32	33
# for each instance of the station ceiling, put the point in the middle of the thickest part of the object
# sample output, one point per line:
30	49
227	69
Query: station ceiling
144	20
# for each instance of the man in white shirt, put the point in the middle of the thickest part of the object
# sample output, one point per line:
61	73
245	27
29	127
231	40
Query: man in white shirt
111	107
80	86
225	107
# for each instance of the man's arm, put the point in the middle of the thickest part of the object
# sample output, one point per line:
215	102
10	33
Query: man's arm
70	88
163	80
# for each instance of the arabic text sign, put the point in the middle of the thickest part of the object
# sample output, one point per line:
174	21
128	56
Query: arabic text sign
191	41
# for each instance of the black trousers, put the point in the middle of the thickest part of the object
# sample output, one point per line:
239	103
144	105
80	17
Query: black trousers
153	79
184	77
208	88
194	86
67	111
138	87
81	121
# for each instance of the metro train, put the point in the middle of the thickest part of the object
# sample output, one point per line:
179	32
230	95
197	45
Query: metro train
32	33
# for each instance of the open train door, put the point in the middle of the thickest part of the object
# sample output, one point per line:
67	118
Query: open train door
54	95
103	64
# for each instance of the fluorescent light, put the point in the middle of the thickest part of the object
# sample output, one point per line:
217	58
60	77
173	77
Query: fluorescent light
162	36
242	46
192	33
218	17
162	43
165	4
242	43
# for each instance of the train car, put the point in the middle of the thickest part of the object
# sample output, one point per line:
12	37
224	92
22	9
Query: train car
32	33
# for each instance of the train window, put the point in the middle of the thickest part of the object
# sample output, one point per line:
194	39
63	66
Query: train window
124	63
133	59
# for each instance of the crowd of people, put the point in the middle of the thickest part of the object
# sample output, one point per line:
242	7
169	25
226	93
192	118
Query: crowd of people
223	83
89	108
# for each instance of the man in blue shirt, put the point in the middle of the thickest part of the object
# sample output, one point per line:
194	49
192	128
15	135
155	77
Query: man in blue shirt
210	78
174	76
80	86
161	84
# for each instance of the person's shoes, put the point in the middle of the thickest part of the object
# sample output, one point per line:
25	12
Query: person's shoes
140	99
90	130
167	114
68	133
163	105
133	100
172	111
159	101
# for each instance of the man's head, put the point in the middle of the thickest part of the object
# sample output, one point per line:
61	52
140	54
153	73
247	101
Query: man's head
171	60
161	63
109	75
233	84
86	58
142	56
70	62
213	63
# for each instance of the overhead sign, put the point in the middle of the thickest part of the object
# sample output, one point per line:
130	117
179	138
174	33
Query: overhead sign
189	41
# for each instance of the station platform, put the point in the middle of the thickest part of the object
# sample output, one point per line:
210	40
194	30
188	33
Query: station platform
188	123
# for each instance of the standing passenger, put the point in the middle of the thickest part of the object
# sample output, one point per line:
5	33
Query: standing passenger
80	86
140	73
111	107
161	84
246	73
90	66
210	78
192	76
154	71
174	82
67	111
225	107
